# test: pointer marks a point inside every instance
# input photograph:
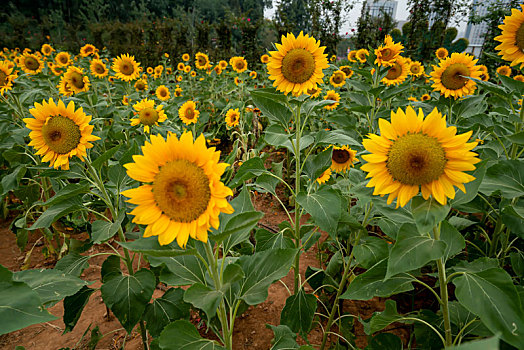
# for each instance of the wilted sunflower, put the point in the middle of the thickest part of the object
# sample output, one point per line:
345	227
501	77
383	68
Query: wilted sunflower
314	92
324	177
297	64
6	77
232	117
450	77
98	68
253	74
31	64
347	71
162	92
504	70
63	59
64	88
47	49
338	78
388	53
180	66
185	57
201	60
264	58
239	64
414	153
512	38
441	53
397	73
148	115
332	95
125	67
352	56
416	69
342	158
87	50
188	113
59	132
141	85
76	80
362	55
183	195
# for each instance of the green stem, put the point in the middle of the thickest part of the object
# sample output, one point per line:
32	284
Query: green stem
297	206
514	147
499	226
443	292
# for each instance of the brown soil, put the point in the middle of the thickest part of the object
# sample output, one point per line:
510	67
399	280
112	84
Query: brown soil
250	327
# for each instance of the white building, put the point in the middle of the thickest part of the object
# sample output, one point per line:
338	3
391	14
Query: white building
475	32
376	8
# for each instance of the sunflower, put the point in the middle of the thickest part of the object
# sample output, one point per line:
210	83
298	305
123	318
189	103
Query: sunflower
352	56
441	53
425	97
338	78
482	68
193	73
183	195
169	70
59	132
416	153
416	69
125	100
222	64
239	64
187	69
179	78
324	177
342	158
63	59
158	71
126	68
31	63
362	55
201	60
253	74
388	53
398	72
232	117
148	115
264	58
178	92
512	38
188	113
237	81
314	92
484	76
412	99
47	49
76	80
98	68
64	88
141	85
180	66
332	95
87	50
333	58
450	78
217	70
6	77
297	64
162	92
519	77
504	70
185	57
347	71
149	70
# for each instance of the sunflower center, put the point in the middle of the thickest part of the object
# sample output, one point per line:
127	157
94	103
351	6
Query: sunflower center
340	156
77	80
346	70
240	65
190	114
394	72
519	37
61	134
126	68
148	116
62	59
3	78
415	69
416	159
298	66
31	63
387	54
181	190
312	91
140	85
163	93
454	77
201	61
338	78
99	69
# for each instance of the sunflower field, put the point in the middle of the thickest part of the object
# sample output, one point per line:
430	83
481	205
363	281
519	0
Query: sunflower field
298	202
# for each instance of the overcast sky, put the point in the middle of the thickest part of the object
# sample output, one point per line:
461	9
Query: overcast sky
351	21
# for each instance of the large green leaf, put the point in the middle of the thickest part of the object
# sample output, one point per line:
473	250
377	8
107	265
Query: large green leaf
484	344
372	284
272	106
491	295
412	251
182	335
261	270
427	213
299	311
385	341
506	176
323	206
127	296
285	338
102	230
268	240
51	285
472	188
237	229
453	239
170	307
381	320
68	191
248	170
204	298
74	305
180	270
317	164
20	306
56	211
370	250
73	264
151	247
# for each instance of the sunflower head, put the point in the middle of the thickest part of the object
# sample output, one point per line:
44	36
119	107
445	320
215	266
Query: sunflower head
342	158
338	78
182	196
87	50
425	97
512	38
188	113
387	54
297	65
141	85
31	63
148	114
441	53
504	70
63	59
162	92
59	132
332	95
185	57
178	92
416	153
239	64
232	117
397	72
314	92
98	68
324	177
416	69
180	66
47	49
347	71
362	55
126	68
264	58
76	80
6	77
201	60
352	56
450	77
519	77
